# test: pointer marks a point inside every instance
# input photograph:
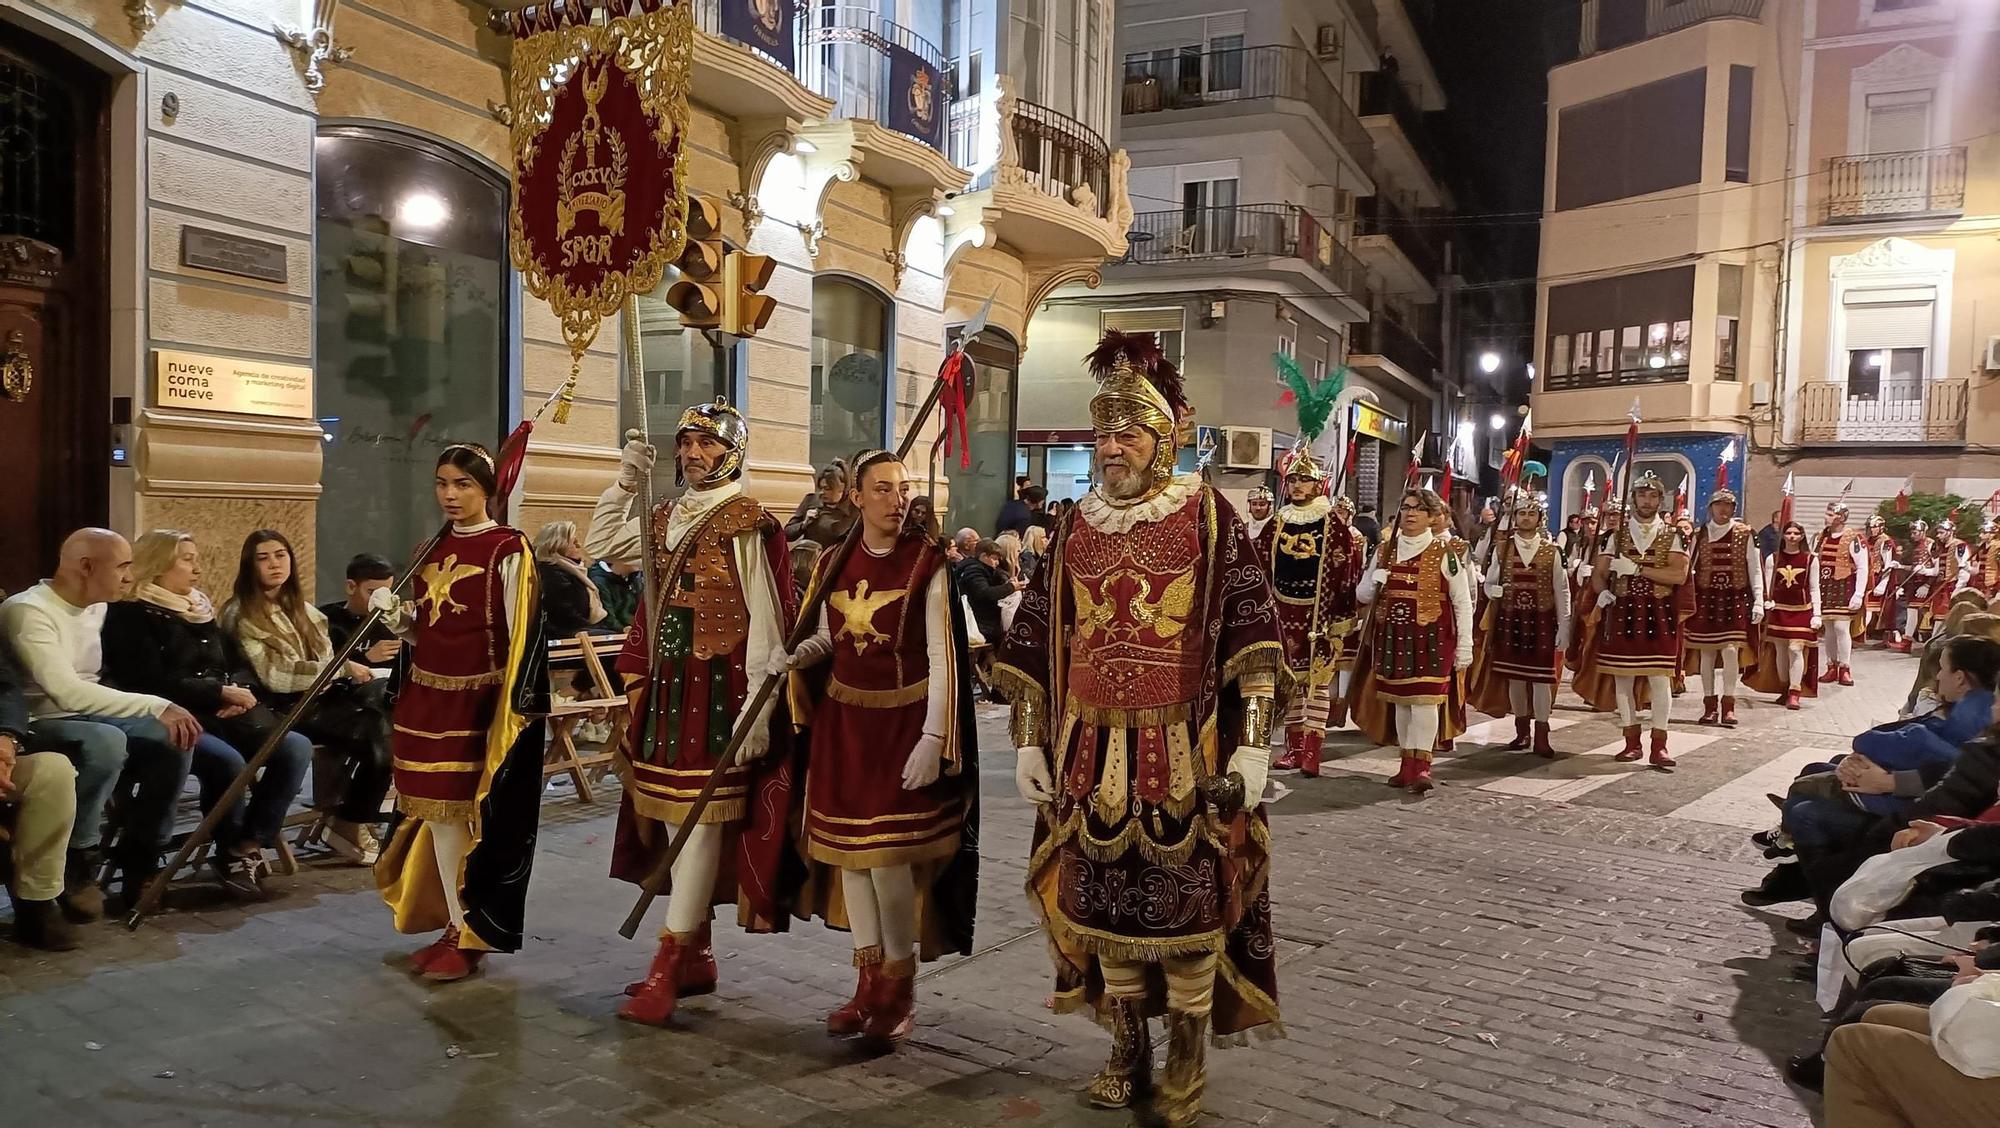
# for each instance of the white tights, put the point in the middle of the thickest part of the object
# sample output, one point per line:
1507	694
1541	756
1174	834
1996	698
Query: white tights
1795	663
882	909
1838	641
1911	618
694	878
451	842
1417	727
1517	699
1732	671
1662	689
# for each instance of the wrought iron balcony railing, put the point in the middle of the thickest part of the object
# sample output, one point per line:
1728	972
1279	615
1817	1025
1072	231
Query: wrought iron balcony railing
1382	336
1193	79
1610	24
1246	231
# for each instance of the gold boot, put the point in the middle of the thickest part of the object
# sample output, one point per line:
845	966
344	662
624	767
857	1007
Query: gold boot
1128	1077
1179	1100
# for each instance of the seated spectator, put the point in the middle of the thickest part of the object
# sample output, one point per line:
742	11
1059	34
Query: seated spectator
984	584
366	573
41	788
964	547
569	600
163	639
620	587
135	744
825	515
1033	551
804	555
1010	554
1963	619
1903	1066
287	643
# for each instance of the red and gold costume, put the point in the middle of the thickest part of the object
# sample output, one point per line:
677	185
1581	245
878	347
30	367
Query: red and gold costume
1881	566
1920	573
1144	658
467	742
1728	596
1523	630
1954	565
1792	626
1419	639
1317	561
1987	562
1843	581
1632	652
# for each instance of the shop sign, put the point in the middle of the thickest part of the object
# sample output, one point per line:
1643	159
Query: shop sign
202	382
233	254
1373	421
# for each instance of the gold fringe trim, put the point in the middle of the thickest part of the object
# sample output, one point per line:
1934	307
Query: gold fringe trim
882	858
403	765
438	810
877	698
904	968
454	734
1258	657
1421	699
1151	717
673	814
871	956
424	677
1016	683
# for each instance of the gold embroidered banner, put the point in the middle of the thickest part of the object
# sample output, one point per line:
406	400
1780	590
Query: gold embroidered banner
600	114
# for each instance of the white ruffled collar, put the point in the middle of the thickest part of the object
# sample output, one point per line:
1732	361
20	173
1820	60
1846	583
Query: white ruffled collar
1312	512
692	506
1108	516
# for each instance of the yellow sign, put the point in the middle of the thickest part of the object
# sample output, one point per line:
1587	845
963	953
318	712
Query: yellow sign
1371	420
226	383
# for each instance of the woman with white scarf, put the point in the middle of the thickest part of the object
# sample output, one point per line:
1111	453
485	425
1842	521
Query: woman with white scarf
162	639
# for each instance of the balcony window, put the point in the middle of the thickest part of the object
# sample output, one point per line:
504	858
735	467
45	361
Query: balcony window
850	391
1058	52
1728	317
1652	339
1885	374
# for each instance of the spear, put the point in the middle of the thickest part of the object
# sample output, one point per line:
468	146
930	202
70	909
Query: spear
808	623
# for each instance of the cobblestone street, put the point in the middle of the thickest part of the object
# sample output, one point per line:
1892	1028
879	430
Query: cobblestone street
1555	946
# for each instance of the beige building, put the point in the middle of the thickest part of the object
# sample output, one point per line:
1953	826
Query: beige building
255	256
1773	223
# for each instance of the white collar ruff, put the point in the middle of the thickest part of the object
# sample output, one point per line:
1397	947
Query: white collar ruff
1108	516
1311	512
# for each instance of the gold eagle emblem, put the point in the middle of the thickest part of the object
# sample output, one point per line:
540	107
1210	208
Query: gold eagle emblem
1167	615
857	611
1789	574
439	578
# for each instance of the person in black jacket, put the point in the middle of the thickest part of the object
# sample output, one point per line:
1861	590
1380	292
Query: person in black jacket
163	639
985	582
570	603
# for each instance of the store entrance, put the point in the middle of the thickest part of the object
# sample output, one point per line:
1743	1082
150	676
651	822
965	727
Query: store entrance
55	425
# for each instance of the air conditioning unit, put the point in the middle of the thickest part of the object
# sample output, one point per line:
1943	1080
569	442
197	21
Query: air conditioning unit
1760	393
1246	448
1993	354
1329	43
1343	202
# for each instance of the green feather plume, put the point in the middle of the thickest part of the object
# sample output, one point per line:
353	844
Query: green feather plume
1314	401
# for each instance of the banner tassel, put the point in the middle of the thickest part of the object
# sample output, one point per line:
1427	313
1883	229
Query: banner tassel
567	395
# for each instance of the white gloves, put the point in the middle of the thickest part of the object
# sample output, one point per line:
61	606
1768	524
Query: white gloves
1756	612
1816	622
810	653
926	760
1254	765
1495	591
1381	576
634	463
1605	599
757	744
1924	591
1583	572
384	600
1463	660
1031	775
1624	566
1562	635
1854	601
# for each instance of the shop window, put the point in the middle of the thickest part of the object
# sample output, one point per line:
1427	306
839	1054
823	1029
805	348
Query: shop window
850	365
978	493
415	351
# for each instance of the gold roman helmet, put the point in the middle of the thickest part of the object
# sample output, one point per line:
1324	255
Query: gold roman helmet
1137	386
724	424
1344	505
1839	507
1722	493
1261	493
1649	481
1527	501
1301	464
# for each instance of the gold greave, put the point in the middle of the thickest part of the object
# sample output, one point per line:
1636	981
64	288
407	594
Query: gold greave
1178	1102
1028	728
1128	1076
1258	711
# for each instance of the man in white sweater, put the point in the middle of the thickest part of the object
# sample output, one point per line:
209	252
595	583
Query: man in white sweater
131	742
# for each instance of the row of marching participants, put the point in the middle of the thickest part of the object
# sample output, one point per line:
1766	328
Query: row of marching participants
1406	640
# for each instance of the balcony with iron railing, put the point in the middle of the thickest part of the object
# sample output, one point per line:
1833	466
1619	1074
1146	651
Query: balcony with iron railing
1385	337
1059	153
1228	79
1911	412
1381	226
848	59
1384	96
1924	183
1610	24
1189	236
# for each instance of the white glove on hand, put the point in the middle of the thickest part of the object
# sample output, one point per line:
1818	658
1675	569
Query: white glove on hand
384	600
634	463
810	653
1924	592
1495	591
1463	660
757	744
1817	622
1605	599
1756	613
1583	573
1381	576
926	760
1624	566
1031	775
1562	635
1854	601
1254	765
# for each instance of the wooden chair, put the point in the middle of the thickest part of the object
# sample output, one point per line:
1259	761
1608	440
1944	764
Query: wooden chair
565	714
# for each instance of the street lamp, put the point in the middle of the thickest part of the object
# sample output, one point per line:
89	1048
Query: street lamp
1489	362
1498	422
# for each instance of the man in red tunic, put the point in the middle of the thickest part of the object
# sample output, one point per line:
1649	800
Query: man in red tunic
1881	566
892	778
1146	657
1316	561
1843	579
725	604
1728	583
1640	565
1259	522
1529	599
1419	634
1920	571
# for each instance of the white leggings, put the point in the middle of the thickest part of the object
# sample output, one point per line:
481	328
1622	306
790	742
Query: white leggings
694	877
1662	689
1517	699
1912	618
1838	641
1731	665
1417	727
451	842
1795	663
882	909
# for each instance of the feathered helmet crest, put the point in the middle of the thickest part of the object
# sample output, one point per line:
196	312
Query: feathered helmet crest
1314	402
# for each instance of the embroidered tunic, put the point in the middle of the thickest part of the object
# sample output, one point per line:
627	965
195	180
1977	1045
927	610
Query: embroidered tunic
1923	571
1954	564
1530	611
1316	563
1421	621
1881	564
1843	565
1642	629
1794	597
1728	583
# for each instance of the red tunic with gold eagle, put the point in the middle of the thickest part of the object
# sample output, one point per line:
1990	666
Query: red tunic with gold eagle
1316	563
457	676
1837	573
1791	614
1641	630
693	677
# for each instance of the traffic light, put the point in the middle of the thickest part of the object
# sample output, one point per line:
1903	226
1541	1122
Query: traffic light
701	296
743	275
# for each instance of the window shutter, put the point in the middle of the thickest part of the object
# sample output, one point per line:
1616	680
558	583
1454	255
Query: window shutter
1169	320
1224	23
1889	325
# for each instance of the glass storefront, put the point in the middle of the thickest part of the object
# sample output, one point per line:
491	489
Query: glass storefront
413	305
978	493
682	369
850	355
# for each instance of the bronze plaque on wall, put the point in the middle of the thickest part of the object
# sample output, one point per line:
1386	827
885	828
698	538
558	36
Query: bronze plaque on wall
233	254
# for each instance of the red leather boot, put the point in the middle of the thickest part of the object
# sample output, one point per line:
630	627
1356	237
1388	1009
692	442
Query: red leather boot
1710	713
422	959
1846	674
1295	743
1543	748
654	1004
1402	776
1729	712
893	1012
1791	699
455	962
852	1015
1631	751
1832	672
1521	738
1309	754
697	972
1420	775
1660	757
